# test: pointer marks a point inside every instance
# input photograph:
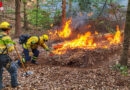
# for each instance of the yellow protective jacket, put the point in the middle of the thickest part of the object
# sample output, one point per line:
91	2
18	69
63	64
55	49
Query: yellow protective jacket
35	41
6	44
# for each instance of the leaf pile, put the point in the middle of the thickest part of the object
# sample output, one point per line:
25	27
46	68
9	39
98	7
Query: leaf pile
84	58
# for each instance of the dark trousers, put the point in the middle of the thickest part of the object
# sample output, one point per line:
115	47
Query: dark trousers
6	62
26	54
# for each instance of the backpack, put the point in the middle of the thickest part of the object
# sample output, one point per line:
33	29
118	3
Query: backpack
23	38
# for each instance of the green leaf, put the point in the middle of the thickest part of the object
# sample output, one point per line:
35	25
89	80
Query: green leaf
120	6
123	68
124	73
118	65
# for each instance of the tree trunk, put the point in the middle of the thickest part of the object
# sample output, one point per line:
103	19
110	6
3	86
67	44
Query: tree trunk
25	16
124	55
63	12
70	7
18	18
37	14
103	8
52	2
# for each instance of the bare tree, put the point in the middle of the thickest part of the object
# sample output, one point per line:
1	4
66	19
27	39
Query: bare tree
37	14
124	55
25	15
63	11
52	2
70	7
18	18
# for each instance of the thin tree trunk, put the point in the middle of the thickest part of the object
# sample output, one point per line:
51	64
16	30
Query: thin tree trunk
102	9
18	18
124	55
70	6
52	2
63	12
37	14
25	16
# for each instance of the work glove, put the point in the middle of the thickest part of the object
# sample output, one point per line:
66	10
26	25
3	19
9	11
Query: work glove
51	54
47	49
50	51
30	53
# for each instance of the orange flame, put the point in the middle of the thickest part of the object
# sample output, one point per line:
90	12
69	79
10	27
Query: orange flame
86	41
96	32
51	25
82	41
117	37
66	31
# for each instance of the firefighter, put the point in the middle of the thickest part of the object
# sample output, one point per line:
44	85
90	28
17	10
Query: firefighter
6	46
30	47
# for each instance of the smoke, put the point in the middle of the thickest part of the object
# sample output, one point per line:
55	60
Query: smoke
79	20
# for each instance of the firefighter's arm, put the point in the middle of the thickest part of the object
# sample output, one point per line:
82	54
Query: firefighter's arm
9	43
45	47
48	49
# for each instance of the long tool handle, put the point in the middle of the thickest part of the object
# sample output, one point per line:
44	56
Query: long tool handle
20	58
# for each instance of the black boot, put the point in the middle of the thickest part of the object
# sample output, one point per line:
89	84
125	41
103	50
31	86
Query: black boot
34	62
16	85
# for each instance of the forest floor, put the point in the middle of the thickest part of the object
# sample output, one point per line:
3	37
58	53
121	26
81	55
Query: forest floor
50	74
47	76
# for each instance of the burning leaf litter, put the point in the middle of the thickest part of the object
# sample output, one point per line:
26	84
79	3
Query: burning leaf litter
83	41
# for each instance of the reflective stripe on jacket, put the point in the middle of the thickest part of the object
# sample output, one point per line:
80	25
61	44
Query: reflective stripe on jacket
6	44
33	43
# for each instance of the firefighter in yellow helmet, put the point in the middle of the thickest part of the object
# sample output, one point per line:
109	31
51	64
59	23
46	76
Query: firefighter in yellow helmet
6	46
30	47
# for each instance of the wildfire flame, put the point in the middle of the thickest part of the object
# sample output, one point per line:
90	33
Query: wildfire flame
66	32
84	41
51	25
117	37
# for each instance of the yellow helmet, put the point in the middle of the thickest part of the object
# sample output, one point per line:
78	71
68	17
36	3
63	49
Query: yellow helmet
5	25
45	37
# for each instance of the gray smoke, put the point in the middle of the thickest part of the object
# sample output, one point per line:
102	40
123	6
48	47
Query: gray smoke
79	21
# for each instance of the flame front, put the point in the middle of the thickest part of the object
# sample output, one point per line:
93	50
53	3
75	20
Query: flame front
66	31
117	37
84	41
